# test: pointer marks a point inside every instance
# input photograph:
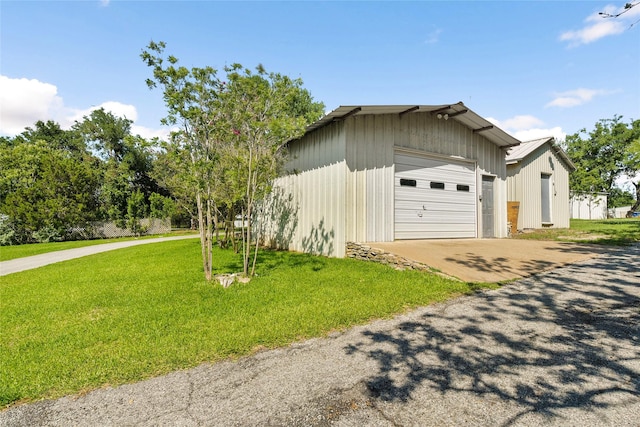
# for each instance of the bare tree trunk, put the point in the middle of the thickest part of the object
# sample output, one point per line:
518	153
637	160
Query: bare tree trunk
232	228
257	237
247	249
203	236
209	240
636	205
216	225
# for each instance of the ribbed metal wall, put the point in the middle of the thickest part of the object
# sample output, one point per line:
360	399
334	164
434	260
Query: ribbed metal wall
316	180
370	178
524	186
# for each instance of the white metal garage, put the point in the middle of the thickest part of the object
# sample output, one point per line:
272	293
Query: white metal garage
434	197
343	177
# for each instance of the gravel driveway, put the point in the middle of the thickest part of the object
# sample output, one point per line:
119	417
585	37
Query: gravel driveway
561	348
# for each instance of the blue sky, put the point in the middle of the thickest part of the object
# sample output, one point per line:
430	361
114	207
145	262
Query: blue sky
535	68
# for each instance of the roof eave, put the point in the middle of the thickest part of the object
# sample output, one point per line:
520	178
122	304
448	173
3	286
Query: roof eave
458	112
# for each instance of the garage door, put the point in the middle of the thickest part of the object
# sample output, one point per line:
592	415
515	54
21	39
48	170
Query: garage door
434	198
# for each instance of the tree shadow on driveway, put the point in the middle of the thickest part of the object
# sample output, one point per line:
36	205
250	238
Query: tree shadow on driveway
566	339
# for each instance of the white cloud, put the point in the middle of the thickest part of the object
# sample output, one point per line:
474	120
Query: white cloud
573	98
116	108
537	133
517	122
105	3
598	26
25	101
527	128
148	133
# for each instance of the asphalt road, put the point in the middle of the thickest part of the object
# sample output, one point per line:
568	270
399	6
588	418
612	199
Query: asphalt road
558	349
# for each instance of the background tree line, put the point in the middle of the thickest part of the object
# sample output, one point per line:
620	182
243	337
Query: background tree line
55	183
604	156
218	165
217	168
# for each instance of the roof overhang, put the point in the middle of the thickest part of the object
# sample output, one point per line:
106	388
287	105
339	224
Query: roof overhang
456	112
518	154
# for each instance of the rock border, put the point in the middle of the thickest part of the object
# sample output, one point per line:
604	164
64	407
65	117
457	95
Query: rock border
367	253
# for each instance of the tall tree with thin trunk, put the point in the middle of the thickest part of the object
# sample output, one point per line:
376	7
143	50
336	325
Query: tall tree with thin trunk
192	100
258	108
233	133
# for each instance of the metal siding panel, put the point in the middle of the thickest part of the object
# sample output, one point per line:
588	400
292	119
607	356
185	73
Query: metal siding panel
369	184
319	191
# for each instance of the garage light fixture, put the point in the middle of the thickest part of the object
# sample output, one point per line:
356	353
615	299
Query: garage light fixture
443	116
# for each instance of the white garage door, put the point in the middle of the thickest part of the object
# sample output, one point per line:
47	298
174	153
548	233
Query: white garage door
434	198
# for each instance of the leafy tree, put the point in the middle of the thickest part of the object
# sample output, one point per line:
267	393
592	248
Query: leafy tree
105	132
229	144
603	155
631	164
161	207
169	167
136	210
261	115
618	198
55	137
127	161
45	191
191	97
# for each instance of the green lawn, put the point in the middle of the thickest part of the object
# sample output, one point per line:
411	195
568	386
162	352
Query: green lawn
19	251
608	232
134	313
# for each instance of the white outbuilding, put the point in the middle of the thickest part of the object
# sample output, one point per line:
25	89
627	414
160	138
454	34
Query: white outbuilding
592	206
538	177
393	172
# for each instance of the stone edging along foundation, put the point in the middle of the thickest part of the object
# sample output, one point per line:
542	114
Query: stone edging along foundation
367	253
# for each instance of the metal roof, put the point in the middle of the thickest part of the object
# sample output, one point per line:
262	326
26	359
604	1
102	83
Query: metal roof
458	112
519	153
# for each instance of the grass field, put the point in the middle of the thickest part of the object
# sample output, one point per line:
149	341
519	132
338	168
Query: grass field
607	232
131	314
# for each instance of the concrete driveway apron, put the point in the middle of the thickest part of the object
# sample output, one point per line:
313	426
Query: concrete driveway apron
490	260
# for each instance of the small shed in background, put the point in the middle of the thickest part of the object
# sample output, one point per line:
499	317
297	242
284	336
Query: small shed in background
538	177
390	172
589	206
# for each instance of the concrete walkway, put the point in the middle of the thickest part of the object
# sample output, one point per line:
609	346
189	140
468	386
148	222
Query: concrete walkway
35	261
558	349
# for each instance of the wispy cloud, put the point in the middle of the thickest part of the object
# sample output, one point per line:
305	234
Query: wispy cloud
597	26
517	122
573	98
433	37
105	3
